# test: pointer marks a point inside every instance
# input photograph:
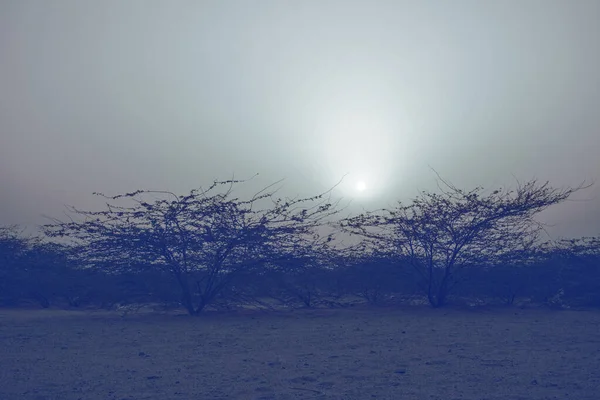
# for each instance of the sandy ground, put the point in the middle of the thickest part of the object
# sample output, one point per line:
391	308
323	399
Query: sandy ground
410	353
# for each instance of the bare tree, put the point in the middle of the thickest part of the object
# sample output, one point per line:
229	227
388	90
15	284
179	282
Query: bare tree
202	239
577	265
12	249
31	268
367	273
441	233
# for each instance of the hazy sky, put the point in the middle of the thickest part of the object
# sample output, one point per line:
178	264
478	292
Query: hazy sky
113	96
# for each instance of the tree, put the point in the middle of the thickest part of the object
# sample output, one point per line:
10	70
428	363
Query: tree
578	265
372	275
12	249
203	239
441	233
300	277
47	271
30	268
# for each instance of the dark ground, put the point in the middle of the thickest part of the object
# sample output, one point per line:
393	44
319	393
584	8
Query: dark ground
362	353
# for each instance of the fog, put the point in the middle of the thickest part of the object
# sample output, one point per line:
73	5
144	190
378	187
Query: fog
114	96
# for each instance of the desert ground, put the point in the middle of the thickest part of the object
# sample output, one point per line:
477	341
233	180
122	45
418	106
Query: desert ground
359	353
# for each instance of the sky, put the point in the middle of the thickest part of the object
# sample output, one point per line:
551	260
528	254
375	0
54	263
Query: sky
112	96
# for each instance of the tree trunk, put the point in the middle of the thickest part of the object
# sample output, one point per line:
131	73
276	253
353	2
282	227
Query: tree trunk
440	297
186	295
187	303
201	305
432	300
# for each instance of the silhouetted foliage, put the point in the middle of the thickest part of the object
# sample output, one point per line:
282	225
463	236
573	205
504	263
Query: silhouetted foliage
440	234
578	265
202	239
31	268
12	249
374	276
211	249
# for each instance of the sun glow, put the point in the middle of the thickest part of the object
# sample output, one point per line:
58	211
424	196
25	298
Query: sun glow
361	151
361	186
360	137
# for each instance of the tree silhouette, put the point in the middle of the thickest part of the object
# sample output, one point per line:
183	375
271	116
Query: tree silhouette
441	233
203	239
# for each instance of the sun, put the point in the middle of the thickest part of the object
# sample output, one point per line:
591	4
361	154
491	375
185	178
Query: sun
361	186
